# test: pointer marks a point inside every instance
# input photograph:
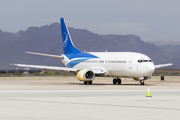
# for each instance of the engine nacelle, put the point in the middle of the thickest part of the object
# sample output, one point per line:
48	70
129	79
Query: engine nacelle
85	75
143	78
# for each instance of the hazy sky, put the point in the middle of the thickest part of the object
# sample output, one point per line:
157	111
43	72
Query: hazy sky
149	19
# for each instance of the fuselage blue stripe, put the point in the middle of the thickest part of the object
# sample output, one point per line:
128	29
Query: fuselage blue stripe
80	58
75	62
80	55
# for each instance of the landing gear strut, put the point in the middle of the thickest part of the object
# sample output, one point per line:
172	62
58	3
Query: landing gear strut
85	82
115	81
141	82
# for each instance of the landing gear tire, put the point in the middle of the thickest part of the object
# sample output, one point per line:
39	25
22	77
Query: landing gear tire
115	81
141	82
119	81
85	83
90	82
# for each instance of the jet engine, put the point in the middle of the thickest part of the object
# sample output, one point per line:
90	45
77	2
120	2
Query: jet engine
85	75
143	78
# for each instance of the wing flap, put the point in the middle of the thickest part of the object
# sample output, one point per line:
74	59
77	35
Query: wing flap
47	67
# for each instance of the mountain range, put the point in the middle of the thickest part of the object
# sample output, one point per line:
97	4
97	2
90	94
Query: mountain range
47	39
161	43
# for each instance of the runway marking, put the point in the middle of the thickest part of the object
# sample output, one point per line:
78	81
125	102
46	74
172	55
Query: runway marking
94	104
1	91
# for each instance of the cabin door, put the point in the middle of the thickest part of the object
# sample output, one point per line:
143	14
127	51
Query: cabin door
130	63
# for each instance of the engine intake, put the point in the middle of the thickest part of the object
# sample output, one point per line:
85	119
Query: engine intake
85	75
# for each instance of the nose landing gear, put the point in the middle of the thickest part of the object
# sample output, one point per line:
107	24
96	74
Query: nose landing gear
115	81
141	82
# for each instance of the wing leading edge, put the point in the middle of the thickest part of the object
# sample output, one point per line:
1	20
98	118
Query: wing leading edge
96	71
47	67
163	65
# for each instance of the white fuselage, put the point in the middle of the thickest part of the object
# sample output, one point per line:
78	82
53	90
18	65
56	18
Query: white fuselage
116	64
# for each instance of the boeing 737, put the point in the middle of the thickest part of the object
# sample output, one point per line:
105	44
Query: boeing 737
88	65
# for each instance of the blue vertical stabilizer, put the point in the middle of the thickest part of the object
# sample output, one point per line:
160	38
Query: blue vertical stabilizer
68	45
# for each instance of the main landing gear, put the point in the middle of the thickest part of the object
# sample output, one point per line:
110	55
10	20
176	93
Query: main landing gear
141	82
115	81
85	82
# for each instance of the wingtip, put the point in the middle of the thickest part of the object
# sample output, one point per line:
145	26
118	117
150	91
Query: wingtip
28	52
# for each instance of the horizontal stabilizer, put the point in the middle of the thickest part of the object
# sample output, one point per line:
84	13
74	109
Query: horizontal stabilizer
47	67
49	55
163	65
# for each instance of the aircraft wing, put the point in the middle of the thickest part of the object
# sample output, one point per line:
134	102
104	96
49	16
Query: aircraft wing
56	56
96	71
47	67
163	65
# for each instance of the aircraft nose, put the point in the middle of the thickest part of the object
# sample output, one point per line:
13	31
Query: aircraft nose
150	69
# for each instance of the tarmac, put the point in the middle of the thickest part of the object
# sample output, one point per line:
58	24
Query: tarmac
66	98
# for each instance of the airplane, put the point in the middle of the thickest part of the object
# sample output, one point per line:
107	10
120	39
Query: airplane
88	65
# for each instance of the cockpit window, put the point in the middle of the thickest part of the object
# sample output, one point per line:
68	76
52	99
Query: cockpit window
140	61
145	61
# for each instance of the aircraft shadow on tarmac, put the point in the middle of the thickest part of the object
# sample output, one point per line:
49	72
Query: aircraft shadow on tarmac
103	84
